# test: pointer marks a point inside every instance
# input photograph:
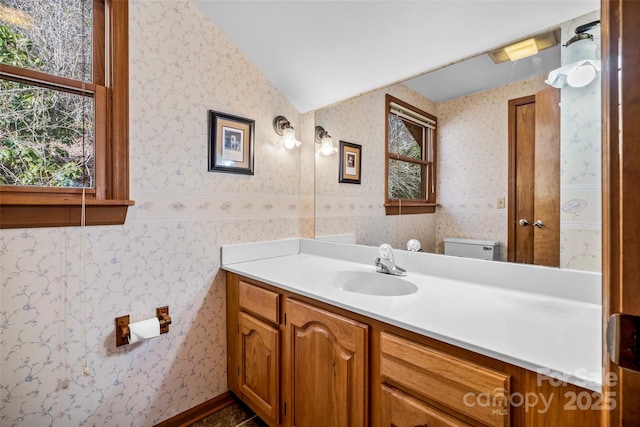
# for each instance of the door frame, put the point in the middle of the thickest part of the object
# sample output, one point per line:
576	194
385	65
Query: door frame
620	185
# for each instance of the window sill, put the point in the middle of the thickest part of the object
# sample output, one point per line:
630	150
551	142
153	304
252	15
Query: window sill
409	209
60	212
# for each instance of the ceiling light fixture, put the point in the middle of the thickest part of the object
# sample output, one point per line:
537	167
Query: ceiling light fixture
521	49
525	48
283	127
326	142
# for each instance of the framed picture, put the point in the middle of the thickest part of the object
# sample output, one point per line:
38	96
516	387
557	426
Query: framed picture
350	162
230	143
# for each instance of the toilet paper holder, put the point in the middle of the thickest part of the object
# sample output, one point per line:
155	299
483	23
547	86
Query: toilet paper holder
122	325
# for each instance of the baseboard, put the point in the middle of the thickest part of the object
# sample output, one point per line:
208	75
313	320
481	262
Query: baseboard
199	412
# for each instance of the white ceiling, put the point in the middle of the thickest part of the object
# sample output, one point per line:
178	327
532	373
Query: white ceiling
321	52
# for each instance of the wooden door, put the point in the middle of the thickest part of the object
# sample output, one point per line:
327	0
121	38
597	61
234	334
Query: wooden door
522	131
546	204
259	364
534	179
328	356
621	203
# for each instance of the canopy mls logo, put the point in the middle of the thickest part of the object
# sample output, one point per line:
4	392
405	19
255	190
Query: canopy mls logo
499	401
581	377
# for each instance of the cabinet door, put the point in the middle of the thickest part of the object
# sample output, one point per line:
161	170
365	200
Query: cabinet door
259	364
400	410
328	358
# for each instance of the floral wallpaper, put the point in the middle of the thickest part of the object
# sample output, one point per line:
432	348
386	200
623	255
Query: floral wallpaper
473	163
58	302
306	202
580	157
359	208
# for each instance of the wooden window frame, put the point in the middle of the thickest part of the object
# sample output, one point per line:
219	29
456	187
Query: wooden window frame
108	201
413	206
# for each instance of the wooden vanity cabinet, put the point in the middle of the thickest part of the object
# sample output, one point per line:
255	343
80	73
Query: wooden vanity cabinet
299	362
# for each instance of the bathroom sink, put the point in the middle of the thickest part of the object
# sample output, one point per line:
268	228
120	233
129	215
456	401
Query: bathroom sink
370	283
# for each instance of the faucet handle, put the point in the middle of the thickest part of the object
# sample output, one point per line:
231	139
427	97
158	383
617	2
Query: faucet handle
386	252
414	246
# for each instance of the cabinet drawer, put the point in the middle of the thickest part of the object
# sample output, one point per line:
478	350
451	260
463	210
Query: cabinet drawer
400	410
259	301
478	392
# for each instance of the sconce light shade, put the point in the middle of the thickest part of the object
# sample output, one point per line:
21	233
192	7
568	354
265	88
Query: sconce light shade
282	127
582	75
289	139
326	142
327	147
578	74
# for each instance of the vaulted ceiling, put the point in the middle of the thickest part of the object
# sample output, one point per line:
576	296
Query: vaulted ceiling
321	52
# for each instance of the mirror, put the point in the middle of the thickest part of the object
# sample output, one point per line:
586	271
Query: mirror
472	163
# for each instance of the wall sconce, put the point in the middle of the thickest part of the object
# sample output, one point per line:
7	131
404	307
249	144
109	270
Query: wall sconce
282	127
581	33
586	68
326	142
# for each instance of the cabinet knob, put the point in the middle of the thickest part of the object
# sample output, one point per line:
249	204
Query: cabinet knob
523	222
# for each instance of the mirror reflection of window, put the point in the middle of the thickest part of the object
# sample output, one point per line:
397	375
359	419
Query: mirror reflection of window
410	148
406	139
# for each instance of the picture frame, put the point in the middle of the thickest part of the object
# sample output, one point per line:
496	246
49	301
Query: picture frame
231	143
350	163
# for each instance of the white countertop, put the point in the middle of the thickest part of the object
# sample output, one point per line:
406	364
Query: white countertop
542	319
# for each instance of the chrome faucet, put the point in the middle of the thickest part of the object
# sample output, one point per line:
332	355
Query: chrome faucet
385	263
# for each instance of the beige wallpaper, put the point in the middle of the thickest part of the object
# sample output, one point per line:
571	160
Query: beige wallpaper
473	163
352	208
167	253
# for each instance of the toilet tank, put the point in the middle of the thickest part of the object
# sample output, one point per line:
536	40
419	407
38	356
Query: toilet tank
472	248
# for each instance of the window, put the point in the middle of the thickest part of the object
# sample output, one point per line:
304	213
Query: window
63	112
410	159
